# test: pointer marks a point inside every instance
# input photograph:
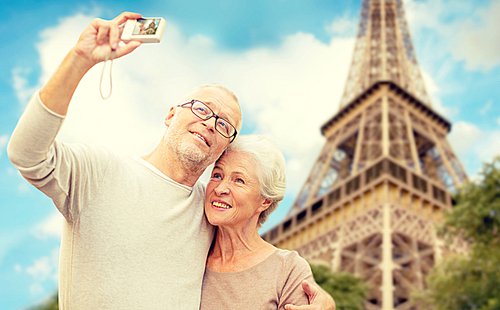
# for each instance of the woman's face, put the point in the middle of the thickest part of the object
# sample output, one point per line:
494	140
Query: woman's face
233	196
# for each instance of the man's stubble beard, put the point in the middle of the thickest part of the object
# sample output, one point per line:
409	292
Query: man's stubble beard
191	157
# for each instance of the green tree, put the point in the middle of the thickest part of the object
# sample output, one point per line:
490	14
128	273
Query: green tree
50	304
472	281
476	215
348	291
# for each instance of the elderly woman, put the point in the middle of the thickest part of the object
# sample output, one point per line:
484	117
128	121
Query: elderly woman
243	271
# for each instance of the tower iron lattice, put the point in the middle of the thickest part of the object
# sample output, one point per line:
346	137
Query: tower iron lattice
385	174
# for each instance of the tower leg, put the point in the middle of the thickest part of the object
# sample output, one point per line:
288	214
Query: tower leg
387	264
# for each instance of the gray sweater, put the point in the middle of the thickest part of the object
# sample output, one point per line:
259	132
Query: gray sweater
132	237
271	284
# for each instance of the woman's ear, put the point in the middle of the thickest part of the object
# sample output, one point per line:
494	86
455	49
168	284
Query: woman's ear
265	204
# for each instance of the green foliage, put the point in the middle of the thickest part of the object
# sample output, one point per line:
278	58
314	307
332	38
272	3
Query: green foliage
50	304
463	283
348	291
473	281
476	215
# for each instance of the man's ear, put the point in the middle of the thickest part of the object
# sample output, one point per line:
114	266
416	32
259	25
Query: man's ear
169	117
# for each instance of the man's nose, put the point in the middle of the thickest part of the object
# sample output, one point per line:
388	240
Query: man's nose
210	124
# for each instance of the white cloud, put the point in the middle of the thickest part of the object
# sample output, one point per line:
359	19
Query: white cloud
488	146
54	257
468	140
438	15
17	268
486	107
65	41
21	84
3	142
23	187
287	91
467	31
463	137
41	268
478	39
56	42
50	227
433	92
36	289
343	26
44	271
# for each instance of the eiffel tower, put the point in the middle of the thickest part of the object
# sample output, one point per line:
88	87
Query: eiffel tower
385	174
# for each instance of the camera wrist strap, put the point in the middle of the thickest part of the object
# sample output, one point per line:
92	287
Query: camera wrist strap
110	78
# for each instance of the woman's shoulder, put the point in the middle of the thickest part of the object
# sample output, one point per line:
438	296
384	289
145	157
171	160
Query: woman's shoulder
291	259
288	255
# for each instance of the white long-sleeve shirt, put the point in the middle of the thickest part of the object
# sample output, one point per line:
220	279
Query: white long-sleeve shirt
132	237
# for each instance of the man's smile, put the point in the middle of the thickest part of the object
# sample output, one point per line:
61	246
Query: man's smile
199	136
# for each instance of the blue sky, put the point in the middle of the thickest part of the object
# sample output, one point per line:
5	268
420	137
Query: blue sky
280	57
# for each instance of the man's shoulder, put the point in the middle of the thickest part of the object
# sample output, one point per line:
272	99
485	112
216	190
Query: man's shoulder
201	184
200	187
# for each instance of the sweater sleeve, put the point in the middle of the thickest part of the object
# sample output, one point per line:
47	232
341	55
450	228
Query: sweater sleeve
297	269
68	174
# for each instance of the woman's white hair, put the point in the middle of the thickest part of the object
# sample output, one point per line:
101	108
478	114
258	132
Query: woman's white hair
271	168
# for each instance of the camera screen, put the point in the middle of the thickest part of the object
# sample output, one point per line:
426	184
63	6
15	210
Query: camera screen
146	27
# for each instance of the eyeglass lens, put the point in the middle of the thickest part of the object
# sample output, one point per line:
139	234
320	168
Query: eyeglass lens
204	112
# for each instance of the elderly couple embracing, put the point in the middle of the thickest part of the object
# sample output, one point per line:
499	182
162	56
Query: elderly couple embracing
145	233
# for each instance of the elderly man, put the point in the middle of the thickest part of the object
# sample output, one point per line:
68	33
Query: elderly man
135	235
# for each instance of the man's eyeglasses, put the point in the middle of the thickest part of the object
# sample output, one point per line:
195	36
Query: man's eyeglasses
201	110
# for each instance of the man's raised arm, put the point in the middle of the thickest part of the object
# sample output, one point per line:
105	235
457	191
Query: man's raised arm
31	141
94	45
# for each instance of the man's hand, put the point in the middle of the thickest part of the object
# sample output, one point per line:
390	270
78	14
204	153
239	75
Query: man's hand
94	45
102	36
318	299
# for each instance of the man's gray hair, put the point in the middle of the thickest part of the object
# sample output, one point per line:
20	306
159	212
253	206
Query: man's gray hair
214	85
271	168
